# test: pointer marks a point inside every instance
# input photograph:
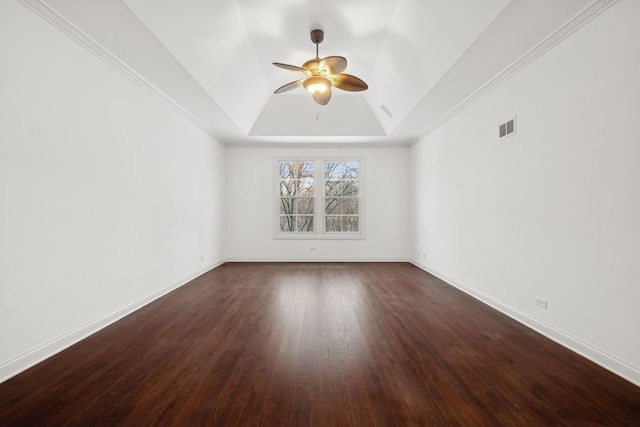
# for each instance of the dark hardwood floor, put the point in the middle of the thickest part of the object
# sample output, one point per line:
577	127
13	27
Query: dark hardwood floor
317	344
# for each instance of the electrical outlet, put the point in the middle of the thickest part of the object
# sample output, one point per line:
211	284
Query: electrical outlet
541	302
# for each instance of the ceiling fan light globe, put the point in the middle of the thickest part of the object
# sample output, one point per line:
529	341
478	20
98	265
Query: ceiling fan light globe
316	84
317	88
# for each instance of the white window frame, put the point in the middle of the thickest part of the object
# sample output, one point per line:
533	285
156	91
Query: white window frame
319	208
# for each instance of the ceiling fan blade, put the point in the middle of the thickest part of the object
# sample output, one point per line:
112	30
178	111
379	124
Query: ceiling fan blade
290	67
349	83
323	97
333	64
290	86
312	64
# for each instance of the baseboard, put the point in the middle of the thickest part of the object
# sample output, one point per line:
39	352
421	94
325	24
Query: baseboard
50	348
596	355
317	260
36	355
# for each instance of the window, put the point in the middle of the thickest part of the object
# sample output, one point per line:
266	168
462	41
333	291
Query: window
297	197
341	201
319	198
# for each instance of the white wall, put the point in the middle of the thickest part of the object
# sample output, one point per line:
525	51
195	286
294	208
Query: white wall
108	198
554	211
251	198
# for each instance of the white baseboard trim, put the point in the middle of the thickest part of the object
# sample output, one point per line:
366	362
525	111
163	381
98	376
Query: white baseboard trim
608	361
36	355
596	355
317	260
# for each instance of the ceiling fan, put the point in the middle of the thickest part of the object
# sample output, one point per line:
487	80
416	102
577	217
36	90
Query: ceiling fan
322	74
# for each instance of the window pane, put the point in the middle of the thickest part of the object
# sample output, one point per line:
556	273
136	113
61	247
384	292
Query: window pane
333	170
300	170
304	206
350	224
286	188
305	223
350	206
305	187
286	206
297	187
350	188
287	223
332	188
351	170
346	188
305	170
332	206
285	170
333	224
296	170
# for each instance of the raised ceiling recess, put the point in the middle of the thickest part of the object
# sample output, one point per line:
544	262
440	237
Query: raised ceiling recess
211	61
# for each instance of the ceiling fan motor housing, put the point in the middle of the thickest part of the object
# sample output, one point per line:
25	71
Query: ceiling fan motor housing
317	36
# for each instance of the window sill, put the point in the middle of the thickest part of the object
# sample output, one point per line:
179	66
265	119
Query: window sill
311	236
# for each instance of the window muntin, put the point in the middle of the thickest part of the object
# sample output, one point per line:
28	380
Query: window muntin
319	198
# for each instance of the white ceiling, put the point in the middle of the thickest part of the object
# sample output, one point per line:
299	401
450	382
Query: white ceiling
213	59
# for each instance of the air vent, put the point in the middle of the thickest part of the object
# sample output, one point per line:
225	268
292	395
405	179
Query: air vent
386	111
507	128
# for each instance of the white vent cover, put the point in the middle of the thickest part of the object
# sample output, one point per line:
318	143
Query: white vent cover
386	110
507	128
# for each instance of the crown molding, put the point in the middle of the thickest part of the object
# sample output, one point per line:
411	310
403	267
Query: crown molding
52	15
587	13
334	143
56	18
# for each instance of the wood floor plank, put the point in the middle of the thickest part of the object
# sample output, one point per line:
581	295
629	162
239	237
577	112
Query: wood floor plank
326	344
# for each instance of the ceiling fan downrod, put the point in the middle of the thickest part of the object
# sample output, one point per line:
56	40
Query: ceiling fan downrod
317	36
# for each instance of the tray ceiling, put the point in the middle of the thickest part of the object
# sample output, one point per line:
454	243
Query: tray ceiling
213	59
